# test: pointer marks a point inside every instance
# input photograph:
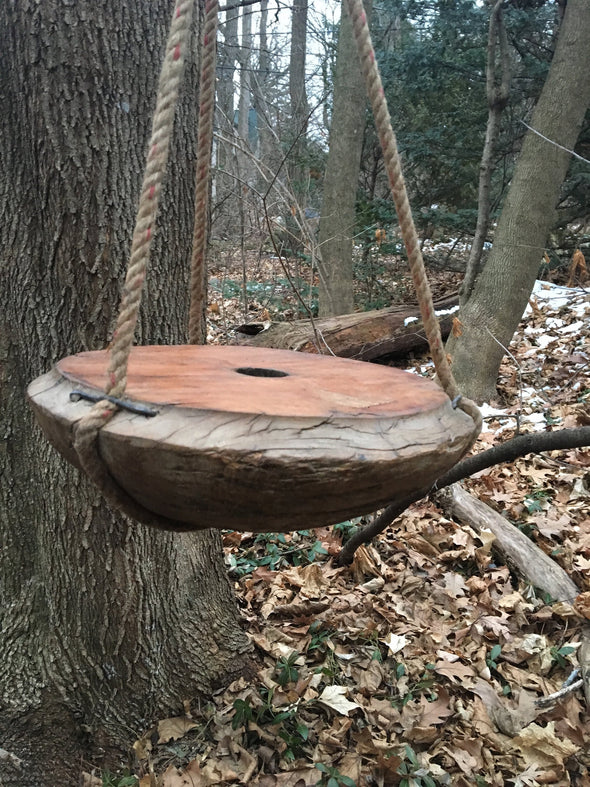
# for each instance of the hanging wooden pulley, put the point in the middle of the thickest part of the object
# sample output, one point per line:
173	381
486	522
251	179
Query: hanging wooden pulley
256	439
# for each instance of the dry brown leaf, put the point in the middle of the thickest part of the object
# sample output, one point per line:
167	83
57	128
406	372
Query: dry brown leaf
467	758
582	605
302	777
369	678
541	747
454	584
174	728
350	766
279	596
143	747
457	328
420	734
462	673
311	580
366	743
191	776
334	697
365	564
578	272
438	711
304	609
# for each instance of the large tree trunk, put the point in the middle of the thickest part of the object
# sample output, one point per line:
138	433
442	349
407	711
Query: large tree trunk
105	624
337	222
501	292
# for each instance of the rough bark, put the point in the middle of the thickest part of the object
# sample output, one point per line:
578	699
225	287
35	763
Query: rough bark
364	336
104	624
337	222
501	292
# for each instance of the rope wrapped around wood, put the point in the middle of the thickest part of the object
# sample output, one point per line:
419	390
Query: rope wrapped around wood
86	430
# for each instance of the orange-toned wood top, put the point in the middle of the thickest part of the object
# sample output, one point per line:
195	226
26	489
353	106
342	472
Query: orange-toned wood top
260	381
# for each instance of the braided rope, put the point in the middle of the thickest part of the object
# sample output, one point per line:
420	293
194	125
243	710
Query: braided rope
157	158
86	430
402	205
196	326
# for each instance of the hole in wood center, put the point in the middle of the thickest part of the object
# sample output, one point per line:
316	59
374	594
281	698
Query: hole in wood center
252	371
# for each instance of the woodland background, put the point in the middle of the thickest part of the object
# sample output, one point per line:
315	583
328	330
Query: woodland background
132	656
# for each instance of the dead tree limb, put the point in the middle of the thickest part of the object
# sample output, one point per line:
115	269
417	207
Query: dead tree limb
516	548
364	336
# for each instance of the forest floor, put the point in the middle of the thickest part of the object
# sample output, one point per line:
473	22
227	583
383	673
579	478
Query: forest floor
420	663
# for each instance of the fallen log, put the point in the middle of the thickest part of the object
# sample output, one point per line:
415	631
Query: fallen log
364	336
526	557
530	561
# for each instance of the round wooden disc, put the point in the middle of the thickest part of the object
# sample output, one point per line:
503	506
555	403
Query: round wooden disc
260	381
259	439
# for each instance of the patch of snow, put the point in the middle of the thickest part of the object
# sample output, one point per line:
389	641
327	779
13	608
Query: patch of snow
409	320
447	311
573	328
487	411
554	322
554	294
544	340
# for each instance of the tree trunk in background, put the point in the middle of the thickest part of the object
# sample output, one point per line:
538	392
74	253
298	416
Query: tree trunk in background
267	150
105	624
337	222
499	297
498	60
299	118
225	205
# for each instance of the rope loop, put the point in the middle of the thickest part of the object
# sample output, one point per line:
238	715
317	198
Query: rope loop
86	430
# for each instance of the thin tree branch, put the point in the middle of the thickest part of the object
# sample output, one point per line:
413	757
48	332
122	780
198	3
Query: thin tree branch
506	452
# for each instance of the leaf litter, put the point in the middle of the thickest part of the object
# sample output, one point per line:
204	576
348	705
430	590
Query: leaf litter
420	663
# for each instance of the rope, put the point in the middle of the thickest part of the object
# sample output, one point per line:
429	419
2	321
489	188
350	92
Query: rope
157	158
402	206
198	286
86	430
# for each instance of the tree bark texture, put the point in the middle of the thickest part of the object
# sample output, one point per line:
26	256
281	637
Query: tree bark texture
502	290
337	222
105	624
